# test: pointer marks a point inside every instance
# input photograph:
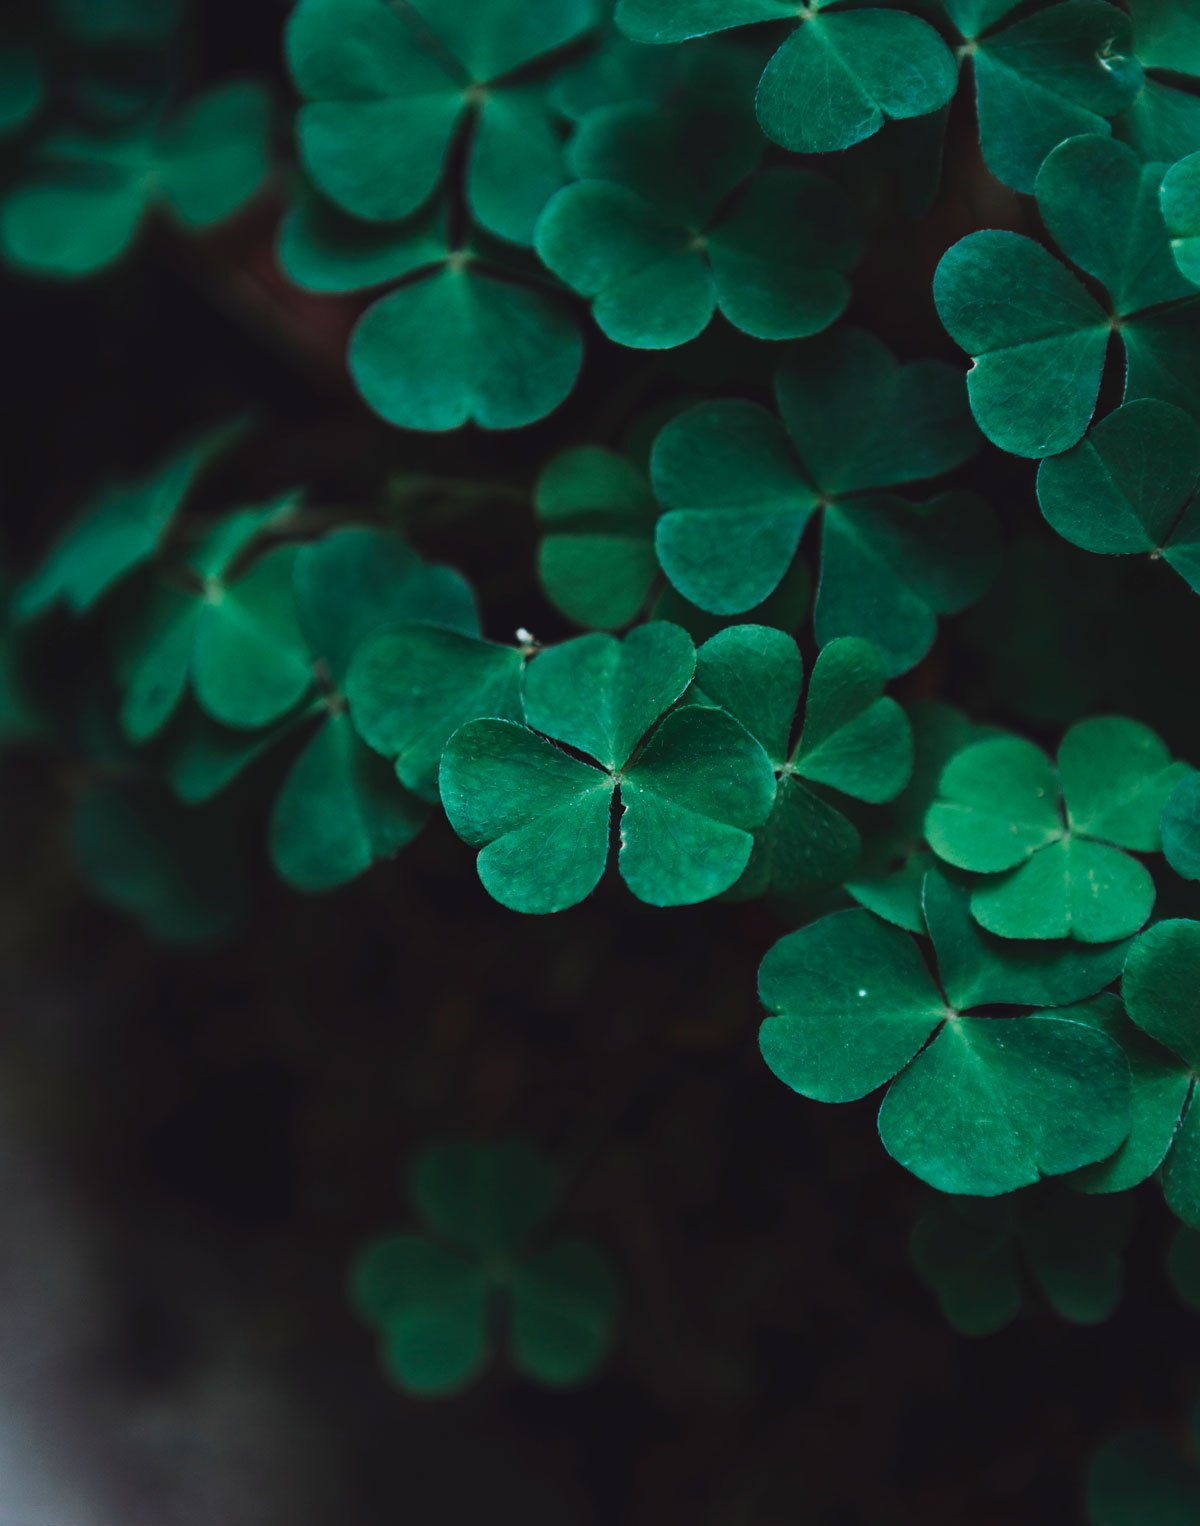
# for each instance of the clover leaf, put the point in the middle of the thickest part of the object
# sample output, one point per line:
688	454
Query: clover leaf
1055	73
648	233
740	485
387	87
460	338
1181	828
1180	196
596	561
1160	997
341	807
178	870
835	80
690	796
119	530
227	628
430	1296
853	740
979	1105
1038	338
410	689
1137	1479
1130	485
891	878
1055	866
90	193
972	1254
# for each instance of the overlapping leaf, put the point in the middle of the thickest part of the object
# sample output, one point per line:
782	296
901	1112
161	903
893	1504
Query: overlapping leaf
740	484
1050	841
979	1105
854	741
1037	336
1180	195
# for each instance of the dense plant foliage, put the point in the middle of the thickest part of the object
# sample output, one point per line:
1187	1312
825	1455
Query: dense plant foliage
835	643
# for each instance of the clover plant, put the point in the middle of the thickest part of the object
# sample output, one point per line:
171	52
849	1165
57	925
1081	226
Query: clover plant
430	1296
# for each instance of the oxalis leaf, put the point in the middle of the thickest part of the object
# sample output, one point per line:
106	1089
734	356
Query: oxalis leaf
690	796
386	87
838	77
854	740
972	1253
1038	339
429	1296
121	528
1180	194
1160	996
648	234
459	340
1056	870
991	1104
740	484
87	199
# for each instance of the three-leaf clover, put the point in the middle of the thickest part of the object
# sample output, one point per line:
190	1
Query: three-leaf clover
973	1252
90	194
119	530
649	234
596	561
980	1105
692	787
1056	72
1159	990
1049	838
740	484
1130	485
431	1297
1037	336
460	337
853	740
835	80
1180	197
387	86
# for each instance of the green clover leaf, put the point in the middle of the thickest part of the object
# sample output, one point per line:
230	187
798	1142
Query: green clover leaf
90	194
648	234
1056	869
386	88
1168	34
1159	990
460	338
1181	828
410	689
979	1105
1056	73
120	529
596	561
740	486
891	880
853	740
1037	337
341	807
972	1253
1129	486
1180	196
428	1297
835	81
690	796
227	628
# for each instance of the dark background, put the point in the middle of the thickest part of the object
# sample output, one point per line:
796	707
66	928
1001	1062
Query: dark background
193	1145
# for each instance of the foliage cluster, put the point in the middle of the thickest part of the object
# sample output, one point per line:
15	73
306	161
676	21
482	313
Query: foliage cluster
515	194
